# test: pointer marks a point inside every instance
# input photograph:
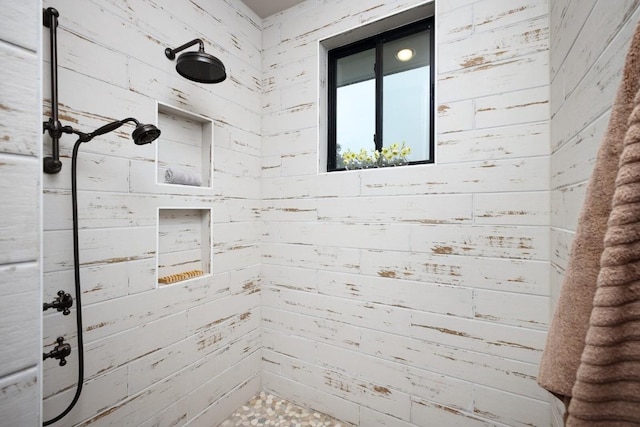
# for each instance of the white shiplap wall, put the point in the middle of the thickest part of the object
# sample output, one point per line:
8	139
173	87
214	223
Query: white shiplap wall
418	295
20	270
589	43
187	352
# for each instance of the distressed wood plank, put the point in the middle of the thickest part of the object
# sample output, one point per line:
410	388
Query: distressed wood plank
19	128
484	337
305	256
566	206
517	39
529	105
363	392
338	334
494	371
19	235
492	14
494	143
482	241
455	117
421	209
594	90
510	409
104	392
20	323
517	209
396	292
529	174
528	311
424	412
227	404
20	391
366	315
477	272
573	162
342	235
501	76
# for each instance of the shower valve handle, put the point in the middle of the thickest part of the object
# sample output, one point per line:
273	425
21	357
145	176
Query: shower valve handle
62	303
60	352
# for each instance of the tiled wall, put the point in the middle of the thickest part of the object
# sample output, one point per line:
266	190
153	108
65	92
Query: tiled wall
395	297
417	295
20	289
189	351
589	43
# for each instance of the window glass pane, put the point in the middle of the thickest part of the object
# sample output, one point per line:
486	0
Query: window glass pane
406	94
355	104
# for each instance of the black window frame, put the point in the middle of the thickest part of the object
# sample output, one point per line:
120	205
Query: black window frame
376	42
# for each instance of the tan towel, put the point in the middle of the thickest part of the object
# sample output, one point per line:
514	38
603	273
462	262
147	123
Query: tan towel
607	387
599	391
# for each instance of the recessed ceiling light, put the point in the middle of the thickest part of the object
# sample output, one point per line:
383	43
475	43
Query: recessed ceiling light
405	54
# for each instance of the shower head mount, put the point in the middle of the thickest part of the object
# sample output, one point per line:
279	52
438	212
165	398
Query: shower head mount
197	66
142	134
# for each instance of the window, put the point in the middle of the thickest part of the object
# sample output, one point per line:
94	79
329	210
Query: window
380	99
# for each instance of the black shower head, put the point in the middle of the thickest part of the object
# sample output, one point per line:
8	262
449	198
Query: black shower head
143	134
197	66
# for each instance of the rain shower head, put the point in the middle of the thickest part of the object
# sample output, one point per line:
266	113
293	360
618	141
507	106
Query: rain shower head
197	66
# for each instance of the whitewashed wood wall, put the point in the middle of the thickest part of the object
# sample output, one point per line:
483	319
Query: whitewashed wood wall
412	296
20	148
400	297
589	43
187	352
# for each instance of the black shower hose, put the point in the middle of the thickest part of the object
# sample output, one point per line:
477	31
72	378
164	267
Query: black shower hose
78	291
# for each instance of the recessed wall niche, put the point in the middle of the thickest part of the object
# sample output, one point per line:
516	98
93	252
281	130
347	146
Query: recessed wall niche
184	244
184	153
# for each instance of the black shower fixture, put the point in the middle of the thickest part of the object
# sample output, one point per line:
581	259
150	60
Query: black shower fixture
198	66
62	303
143	134
60	352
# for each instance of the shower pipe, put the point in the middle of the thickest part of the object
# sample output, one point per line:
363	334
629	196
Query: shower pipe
53	164
143	134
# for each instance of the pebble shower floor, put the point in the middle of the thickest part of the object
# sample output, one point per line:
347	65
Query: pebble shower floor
269	410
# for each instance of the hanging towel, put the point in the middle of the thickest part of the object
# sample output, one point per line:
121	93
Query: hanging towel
599	303
181	176
607	386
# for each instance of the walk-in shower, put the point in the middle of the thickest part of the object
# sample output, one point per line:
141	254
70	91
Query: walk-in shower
198	66
142	134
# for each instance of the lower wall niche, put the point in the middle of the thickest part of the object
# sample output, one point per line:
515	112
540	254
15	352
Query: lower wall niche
184	244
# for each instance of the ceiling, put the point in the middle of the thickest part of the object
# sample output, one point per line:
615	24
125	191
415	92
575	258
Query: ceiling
264	8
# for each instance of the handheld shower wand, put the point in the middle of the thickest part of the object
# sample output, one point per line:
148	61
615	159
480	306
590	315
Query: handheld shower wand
143	134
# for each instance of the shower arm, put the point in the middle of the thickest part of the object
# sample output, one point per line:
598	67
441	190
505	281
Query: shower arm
171	53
